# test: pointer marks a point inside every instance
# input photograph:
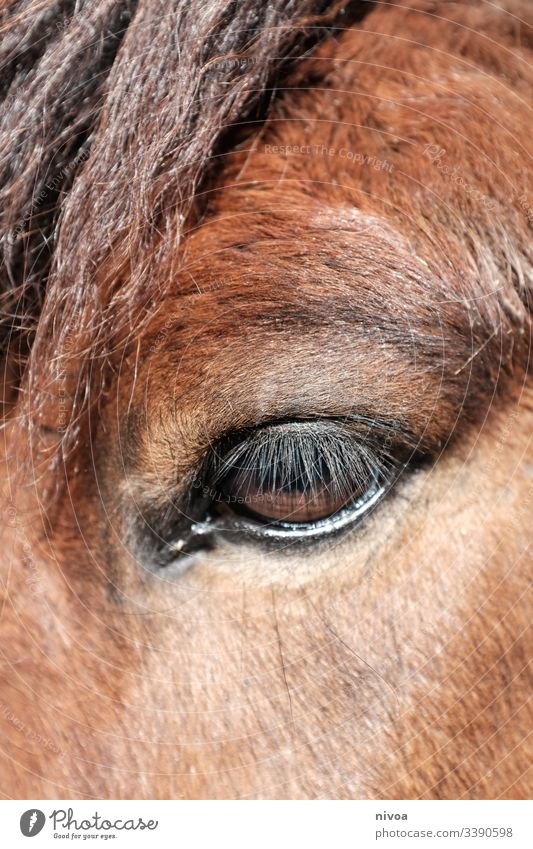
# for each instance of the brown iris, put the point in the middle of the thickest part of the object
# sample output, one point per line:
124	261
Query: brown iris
287	506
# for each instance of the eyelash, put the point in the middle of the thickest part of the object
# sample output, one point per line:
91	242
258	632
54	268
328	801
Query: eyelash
348	454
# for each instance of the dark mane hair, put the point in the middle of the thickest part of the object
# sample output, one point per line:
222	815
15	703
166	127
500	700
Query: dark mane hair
111	115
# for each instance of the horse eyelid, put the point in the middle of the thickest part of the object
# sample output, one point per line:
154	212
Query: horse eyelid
377	456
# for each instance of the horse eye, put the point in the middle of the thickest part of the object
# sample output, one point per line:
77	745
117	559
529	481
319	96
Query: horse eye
293	503
303	478
297	496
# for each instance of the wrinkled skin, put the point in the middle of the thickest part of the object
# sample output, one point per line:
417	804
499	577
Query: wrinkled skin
388	662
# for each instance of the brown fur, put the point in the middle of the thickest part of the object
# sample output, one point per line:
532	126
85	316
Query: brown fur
186	297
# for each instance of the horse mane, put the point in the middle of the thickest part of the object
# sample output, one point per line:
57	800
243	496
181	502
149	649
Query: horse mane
112	114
